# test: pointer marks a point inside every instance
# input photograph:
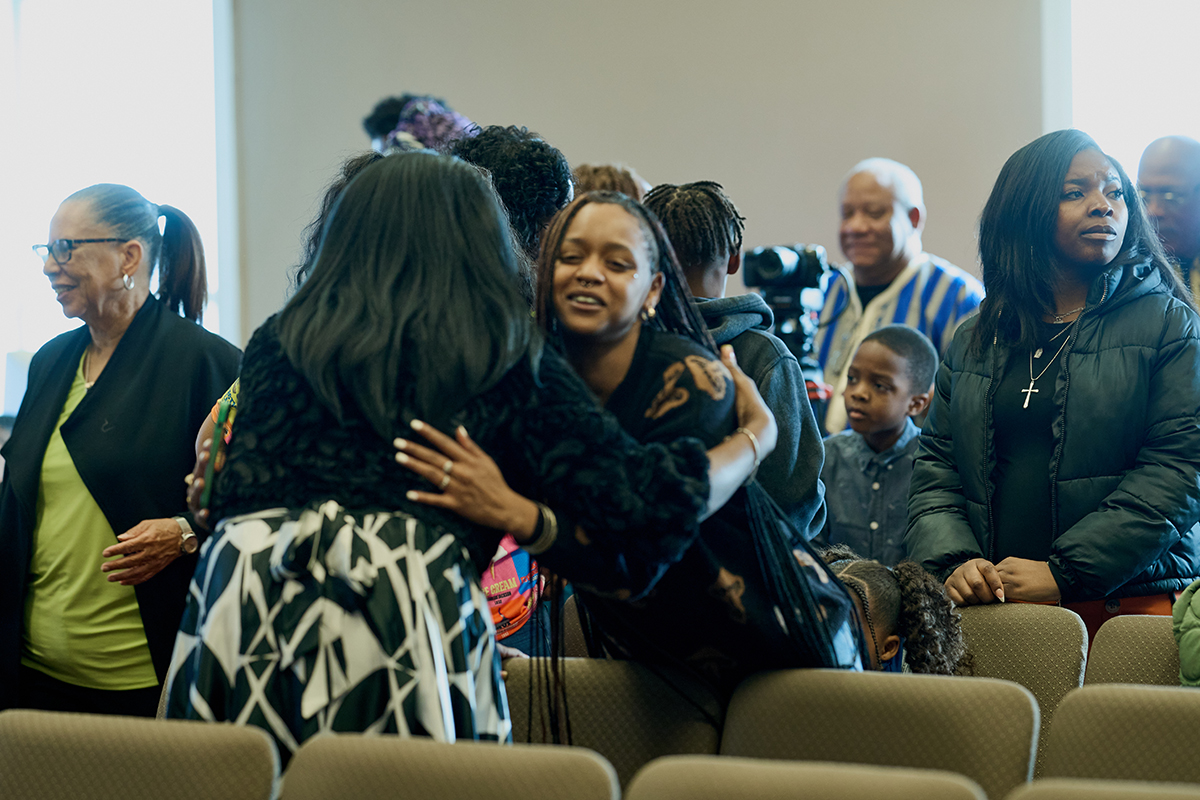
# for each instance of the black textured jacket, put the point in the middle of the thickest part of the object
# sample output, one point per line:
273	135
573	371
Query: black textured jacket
1125	473
132	439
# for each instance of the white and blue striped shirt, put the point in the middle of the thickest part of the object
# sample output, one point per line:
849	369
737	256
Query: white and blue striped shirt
931	295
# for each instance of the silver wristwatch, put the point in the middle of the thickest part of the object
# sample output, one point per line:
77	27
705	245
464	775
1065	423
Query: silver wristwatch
188	543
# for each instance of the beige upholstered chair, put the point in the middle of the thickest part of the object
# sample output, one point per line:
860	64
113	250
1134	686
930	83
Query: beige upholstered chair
983	728
1068	789
723	777
1043	648
1125	732
392	768
622	710
49	756
1134	649
574	642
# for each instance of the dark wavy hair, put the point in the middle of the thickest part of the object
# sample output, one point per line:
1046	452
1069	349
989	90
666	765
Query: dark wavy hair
907	601
312	232
1016	239
176	252
412	303
701	220
676	312
531	176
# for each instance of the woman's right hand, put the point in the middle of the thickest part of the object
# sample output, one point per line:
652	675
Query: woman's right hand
975	582
469	482
752	411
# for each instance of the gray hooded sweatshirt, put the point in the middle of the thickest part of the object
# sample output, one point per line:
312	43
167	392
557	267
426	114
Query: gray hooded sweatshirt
791	474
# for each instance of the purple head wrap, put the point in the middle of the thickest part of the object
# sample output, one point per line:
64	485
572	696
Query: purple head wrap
426	123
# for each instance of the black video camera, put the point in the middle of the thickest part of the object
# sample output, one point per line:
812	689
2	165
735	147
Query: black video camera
797	266
789	278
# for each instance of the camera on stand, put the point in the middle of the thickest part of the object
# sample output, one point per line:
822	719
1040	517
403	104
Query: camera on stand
789	278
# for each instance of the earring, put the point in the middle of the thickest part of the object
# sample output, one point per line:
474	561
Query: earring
127	279
648	314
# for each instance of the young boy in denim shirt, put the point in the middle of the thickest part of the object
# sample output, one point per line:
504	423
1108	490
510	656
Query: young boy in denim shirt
868	467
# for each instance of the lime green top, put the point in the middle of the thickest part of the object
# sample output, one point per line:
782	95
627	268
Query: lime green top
79	627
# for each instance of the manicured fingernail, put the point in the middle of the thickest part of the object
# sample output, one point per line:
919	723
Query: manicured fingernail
462	431
417	424
411	495
399	443
402	458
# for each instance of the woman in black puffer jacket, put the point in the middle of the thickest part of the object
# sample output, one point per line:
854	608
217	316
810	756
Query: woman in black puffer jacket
1061	457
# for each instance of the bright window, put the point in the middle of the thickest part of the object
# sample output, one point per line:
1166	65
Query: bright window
1134	73
98	91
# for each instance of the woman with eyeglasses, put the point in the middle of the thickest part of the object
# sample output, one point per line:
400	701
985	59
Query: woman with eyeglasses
98	543
1061	459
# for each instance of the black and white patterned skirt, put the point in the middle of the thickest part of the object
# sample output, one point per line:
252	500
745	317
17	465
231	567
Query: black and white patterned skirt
301	621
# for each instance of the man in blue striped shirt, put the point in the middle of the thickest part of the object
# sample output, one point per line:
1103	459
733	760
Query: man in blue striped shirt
890	279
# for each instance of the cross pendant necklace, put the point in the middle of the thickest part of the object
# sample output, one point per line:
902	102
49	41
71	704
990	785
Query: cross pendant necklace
1030	392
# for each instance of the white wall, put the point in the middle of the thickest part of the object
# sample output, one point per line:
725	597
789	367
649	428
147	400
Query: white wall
775	100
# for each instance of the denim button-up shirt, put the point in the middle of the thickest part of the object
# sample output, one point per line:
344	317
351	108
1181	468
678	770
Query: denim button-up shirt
867	494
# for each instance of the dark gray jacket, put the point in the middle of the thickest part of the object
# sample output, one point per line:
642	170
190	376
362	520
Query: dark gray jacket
1126	467
791	474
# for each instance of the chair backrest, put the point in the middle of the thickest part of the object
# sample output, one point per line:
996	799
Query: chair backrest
983	728
723	777
574	642
1068	789
391	767
1119	731
1043	648
1134	648
622	710
47	755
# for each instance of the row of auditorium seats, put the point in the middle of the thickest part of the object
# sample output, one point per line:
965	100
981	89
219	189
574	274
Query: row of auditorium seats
1043	648
1101	748
1032	659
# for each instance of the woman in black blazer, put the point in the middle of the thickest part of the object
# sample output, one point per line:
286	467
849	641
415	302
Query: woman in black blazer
92	513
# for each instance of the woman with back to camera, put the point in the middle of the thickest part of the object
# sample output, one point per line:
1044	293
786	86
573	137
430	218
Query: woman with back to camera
329	600
96	463
612	295
1061	457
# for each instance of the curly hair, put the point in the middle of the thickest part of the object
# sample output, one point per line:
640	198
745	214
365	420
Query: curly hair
907	601
531	176
609	178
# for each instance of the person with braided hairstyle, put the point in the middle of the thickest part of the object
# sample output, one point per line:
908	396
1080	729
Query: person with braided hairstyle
705	229
905	615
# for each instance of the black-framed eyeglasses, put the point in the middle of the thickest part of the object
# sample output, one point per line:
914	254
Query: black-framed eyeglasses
61	249
1172	197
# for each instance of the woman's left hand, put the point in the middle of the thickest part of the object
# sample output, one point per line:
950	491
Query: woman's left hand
147	548
468	481
1028	581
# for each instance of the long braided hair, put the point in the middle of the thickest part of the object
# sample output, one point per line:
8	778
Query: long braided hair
703	222
907	601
